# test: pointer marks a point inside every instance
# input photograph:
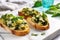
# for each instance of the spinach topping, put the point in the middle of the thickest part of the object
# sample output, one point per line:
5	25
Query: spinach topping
29	12
16	18
22	28
44	16
13	21
17	27
36	20
44	23
40	18
24	23
10	25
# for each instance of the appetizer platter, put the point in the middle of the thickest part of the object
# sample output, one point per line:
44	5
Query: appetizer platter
29	24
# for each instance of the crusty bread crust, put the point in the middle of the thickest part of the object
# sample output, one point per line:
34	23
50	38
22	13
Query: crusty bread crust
21	14
21	32
37	26
15	32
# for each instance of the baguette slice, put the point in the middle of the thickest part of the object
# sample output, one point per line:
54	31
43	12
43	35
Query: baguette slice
37	26
27	12
21	32
15	32
34	13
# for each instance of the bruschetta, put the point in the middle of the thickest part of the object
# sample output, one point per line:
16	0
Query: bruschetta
36	19
39	22
27	12
16	25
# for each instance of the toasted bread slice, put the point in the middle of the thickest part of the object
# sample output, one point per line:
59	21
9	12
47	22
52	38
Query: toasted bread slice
16	25
27	12
36	16
21	32
37	26
15	32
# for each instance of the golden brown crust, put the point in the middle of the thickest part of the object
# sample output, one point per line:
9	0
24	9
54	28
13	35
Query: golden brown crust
30	22
21	14
37	26
15	32
21	32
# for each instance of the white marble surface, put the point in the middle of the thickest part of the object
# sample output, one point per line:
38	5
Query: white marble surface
57	37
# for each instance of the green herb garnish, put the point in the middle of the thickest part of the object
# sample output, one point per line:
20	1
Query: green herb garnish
44	15
34	34
43	33
37	4
16	18
54	10
58	5
55	15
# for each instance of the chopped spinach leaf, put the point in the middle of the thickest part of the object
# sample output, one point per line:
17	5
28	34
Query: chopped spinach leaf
22	28
17	27
44	15
34	34
43	33
44	23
